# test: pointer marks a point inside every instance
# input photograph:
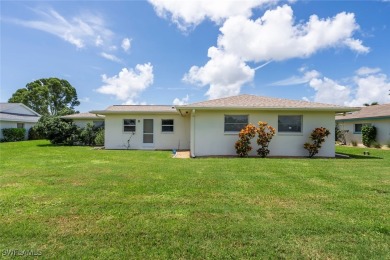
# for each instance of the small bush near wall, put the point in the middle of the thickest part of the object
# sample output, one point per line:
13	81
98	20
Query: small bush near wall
99	139
33	134
58	131
318	137
243	145
354	143
265	133
368	135
13	134
88	135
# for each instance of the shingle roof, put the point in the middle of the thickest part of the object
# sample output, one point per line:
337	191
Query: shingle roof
123	109
259	102
376	111
8	113
18	118
83	116
6	106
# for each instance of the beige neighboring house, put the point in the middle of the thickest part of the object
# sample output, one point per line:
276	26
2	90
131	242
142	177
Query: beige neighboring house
212	127
82	119
377	115
17	115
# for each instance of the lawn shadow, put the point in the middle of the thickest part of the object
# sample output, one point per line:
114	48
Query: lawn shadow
356	156
50	145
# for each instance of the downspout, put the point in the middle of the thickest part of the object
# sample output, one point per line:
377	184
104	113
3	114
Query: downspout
192	144
180	113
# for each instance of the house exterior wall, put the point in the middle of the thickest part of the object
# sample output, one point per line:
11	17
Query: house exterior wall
13	124
382	128
209	137
116	138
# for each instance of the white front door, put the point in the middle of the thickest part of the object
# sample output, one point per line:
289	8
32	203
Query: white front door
148	131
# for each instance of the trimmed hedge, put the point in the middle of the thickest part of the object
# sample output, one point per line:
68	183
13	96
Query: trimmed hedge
13	134
368	135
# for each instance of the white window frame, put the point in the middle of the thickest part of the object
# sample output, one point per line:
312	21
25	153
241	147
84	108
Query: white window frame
101	123
235	131
166	131
129	125
291	132
363	124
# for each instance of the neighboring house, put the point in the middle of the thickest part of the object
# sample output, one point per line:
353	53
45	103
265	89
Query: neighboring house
212	127
17	115
82	119
377	115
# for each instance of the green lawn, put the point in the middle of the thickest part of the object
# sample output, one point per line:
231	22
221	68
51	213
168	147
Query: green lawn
76	202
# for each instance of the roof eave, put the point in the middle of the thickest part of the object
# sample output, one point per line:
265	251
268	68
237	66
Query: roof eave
105	112
323	109
363	118
20	120
83	118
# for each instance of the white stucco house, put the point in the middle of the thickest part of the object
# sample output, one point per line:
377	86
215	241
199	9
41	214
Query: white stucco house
212	127
377	115
82	119
17	115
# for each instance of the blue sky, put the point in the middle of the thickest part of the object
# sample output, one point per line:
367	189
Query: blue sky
177	52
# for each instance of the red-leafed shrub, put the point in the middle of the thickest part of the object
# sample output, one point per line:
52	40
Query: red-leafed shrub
318	137
265	133
243	145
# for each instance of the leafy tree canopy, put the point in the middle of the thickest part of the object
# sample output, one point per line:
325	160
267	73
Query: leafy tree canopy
51	96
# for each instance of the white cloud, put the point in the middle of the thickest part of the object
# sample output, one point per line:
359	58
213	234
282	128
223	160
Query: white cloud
190	13
110	57
129	83
86	99
372	87
356	45
180	102
113	48
274	36
86	29
126	44
297	80
366	71
329	91
225	73
367	85
99	41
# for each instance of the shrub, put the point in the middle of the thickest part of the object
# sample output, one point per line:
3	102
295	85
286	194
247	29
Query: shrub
368	135
388	144
88	135
340	135
99	139
58	131
265	134
318	137
354	143
33	134
13	134
243	145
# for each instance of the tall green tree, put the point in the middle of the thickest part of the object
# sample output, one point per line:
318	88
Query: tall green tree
51	96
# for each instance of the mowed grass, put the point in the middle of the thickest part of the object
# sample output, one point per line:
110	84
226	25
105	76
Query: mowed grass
76	202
